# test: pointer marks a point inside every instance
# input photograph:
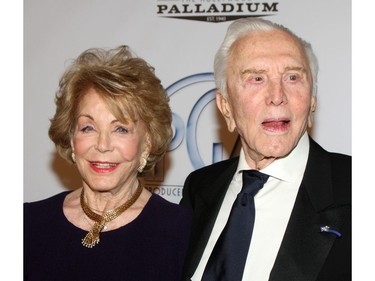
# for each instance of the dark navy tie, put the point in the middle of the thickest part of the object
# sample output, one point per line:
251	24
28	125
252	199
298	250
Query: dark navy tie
227	260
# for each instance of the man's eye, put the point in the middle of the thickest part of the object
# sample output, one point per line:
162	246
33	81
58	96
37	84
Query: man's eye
293	77
258	79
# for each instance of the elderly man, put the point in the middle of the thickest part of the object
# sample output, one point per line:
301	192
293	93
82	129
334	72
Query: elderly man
281	211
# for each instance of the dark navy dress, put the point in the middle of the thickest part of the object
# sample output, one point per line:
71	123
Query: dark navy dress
150	248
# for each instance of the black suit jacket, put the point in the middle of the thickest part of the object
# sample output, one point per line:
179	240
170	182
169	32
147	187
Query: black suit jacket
306	253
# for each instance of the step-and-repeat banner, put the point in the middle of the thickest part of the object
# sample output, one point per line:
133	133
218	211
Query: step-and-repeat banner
179	38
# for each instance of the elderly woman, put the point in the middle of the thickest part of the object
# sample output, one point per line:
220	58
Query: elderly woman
113	122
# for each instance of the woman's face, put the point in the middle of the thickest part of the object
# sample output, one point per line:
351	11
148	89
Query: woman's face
107	151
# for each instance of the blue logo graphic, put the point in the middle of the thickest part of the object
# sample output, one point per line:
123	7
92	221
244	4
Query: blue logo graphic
192	121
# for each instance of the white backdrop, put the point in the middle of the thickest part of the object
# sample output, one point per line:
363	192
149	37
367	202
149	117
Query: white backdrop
182	51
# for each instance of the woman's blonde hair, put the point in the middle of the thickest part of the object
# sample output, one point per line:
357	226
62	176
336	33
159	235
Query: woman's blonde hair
124	81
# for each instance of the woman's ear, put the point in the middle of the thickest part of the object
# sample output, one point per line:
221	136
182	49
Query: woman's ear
145	153
73	156
148	143
147	147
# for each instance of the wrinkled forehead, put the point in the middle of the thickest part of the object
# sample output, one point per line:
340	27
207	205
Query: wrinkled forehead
267	44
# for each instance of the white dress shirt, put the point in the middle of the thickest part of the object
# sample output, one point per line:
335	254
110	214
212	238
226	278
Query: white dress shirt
273	206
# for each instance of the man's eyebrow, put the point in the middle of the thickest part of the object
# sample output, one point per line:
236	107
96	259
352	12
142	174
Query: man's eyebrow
295	68
253	71
262	71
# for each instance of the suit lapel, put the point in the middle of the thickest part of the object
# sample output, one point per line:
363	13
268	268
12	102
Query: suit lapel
305	248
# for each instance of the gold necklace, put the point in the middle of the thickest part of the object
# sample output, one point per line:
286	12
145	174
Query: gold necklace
92	238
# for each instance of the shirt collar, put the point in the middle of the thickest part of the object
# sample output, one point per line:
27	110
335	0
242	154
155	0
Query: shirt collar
289	168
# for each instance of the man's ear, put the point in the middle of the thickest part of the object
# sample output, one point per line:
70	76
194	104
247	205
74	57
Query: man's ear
225	109
310	120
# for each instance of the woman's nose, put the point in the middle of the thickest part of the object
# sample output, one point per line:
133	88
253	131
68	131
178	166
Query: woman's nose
104	143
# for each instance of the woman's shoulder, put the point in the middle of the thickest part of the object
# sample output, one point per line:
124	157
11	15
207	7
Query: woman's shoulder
43	214
166	215
162	206
47	203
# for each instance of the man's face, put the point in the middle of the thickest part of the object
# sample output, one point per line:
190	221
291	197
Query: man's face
269	99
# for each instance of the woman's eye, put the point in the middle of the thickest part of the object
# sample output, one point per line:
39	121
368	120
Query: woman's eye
86	129
122	130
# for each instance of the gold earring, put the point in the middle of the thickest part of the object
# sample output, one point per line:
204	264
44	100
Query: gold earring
142	165
73	157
